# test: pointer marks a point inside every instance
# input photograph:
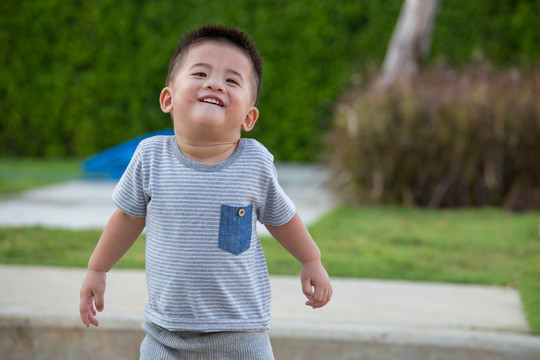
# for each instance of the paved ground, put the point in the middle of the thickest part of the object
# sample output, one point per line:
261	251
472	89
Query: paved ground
88	204
391	311
48	290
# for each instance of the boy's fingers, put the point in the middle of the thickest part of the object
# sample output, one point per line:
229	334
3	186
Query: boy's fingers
88	315
99	302
92	297
318	295
307	288
84	318
84	310
93	320
87	310
320	298
322	290
326	295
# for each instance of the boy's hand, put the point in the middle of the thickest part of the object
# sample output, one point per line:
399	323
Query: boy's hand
315	284
92	291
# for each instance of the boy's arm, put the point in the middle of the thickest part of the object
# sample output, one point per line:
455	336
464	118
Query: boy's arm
119	235
295	238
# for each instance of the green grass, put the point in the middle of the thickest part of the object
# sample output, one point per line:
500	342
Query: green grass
58	247
480	246
22	174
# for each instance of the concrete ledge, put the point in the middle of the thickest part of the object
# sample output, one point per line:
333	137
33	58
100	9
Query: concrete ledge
47	338
327	341
21	340
366	320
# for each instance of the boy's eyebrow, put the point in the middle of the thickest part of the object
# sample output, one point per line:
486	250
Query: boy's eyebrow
234	72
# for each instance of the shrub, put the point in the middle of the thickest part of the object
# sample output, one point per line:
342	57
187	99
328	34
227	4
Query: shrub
451	139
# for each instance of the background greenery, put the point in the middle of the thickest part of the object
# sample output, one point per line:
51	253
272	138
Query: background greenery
77	77
22	174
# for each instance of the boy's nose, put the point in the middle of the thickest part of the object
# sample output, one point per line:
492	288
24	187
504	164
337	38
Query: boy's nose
213	84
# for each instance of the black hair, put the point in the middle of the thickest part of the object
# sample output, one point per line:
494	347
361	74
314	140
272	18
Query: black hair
218	33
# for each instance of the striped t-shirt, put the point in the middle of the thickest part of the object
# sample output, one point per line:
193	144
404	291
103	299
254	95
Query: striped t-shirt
205	268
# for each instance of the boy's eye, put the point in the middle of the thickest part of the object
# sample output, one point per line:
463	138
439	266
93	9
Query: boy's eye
232	81
200	74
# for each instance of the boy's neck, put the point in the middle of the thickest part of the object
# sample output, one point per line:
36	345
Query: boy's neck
207	153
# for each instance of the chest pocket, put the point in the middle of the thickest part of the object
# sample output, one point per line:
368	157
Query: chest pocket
235	228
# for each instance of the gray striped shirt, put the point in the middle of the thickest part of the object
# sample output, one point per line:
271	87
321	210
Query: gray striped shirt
205	268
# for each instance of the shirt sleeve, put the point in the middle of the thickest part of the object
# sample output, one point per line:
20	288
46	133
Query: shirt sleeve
129	194
278	208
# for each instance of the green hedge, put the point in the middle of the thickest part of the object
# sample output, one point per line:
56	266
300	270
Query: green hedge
77	77
453	139
504	31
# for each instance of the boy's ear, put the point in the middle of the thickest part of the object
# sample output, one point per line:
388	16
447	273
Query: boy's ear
251	119
165	100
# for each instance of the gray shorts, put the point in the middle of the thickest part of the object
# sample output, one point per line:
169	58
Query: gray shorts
162	344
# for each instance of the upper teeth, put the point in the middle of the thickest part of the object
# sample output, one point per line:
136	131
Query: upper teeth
212	101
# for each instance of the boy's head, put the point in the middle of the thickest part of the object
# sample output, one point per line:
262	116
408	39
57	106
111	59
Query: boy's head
225	34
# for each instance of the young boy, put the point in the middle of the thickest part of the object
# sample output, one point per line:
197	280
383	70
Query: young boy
199	193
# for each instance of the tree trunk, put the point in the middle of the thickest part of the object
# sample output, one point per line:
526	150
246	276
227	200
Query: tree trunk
410	43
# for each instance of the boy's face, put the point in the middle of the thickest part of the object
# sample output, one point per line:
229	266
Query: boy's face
211	97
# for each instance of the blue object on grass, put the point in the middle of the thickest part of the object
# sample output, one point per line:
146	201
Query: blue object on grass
112	163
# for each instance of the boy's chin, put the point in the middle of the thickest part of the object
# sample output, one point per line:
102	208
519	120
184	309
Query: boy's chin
209	137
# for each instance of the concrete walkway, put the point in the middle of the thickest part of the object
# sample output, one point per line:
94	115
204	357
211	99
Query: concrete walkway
88	204
366	319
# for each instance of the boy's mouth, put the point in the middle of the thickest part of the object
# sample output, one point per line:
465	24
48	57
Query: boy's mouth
212	100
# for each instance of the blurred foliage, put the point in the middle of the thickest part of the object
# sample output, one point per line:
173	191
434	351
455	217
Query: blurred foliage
26	173
503	31
77	77
451	139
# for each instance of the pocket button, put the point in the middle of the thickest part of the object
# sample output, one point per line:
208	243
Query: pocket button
241	212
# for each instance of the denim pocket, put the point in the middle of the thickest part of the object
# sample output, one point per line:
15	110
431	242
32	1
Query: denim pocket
235	228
